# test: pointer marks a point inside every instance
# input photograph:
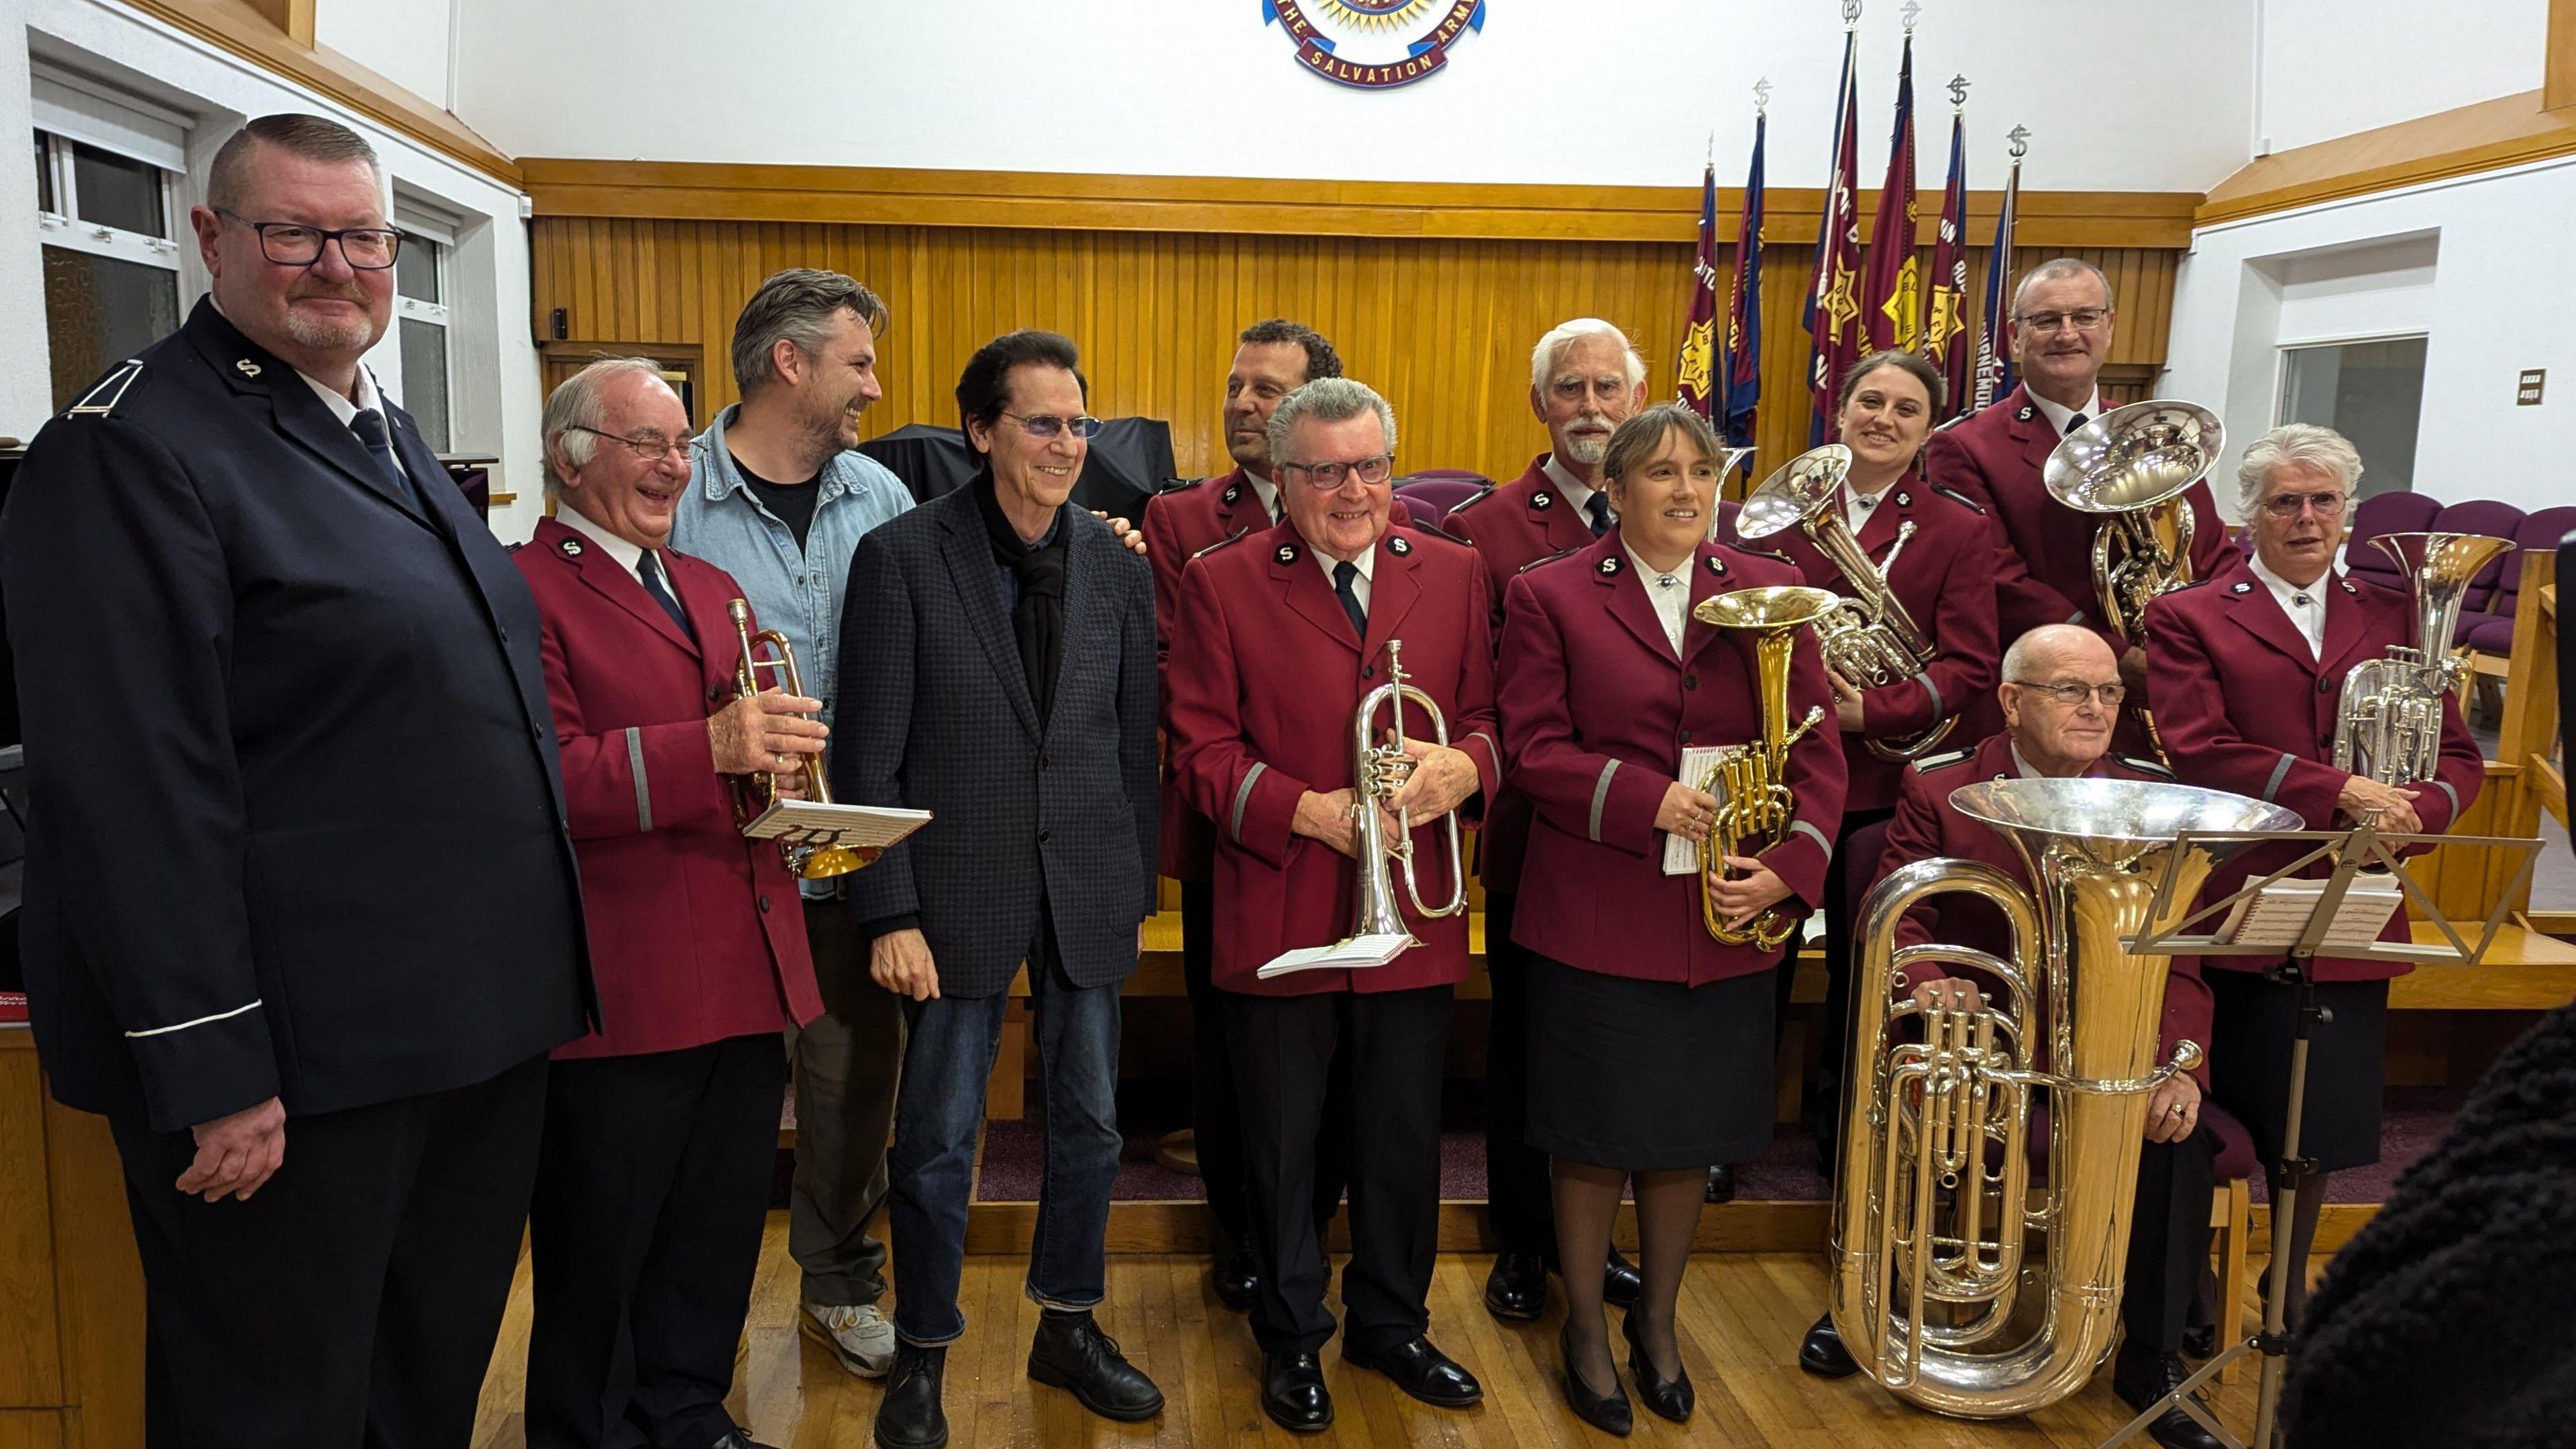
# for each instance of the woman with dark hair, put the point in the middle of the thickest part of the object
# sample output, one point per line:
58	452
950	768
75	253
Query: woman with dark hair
1606	678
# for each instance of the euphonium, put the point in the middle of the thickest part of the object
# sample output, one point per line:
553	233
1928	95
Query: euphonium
1755	807
1932	1224
2389	726
811	861
1871	640
1378	770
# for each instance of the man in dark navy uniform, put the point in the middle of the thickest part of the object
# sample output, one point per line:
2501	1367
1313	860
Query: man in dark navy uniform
302	916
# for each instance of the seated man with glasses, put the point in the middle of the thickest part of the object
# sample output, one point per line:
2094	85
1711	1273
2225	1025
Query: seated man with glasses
2061	696
2060	336
1276	638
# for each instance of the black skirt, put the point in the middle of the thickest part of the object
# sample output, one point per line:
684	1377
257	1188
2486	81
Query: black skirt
2249	1065
1648	1076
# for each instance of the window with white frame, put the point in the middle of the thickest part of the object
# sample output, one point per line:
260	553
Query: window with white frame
109	220
421	300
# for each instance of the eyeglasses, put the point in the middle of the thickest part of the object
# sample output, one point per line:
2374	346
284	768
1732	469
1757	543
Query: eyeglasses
2072	696
2286	506
648	445
2084	318
293	244
1047	425
1328	476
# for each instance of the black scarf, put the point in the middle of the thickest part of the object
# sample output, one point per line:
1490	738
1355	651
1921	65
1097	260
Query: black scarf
1038	568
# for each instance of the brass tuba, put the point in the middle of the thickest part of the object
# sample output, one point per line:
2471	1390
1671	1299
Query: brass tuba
806	859
1871	640
1754	802
1932	1227
1378	770
2131	465
2389	725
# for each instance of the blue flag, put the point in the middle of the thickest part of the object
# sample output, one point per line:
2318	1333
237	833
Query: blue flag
1740	380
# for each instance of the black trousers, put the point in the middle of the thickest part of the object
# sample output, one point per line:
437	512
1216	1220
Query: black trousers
1216	1116
644	1236
1284	1051
1516	1188
355	1298
2169	1238
1822	1099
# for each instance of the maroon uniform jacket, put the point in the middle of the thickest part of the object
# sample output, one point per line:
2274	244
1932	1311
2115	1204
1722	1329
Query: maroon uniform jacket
1596	709
1266	678
2243	708
696	932
1927	825
1945	578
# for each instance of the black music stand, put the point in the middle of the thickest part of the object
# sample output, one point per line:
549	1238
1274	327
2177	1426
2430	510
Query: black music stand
2353	850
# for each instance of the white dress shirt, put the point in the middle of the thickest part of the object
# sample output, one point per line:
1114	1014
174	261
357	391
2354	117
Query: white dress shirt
2059	417
628	556
1572	489
2306	607
1266	491
1359	586
369	400
1669	593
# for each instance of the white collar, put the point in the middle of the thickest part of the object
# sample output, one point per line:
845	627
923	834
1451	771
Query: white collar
2030	771
1578	494
369	399
2283	590
2059	417
1367	561
1266	491
628	556
1651	576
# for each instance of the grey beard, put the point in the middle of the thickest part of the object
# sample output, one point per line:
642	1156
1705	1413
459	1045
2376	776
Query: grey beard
1587	451
319	336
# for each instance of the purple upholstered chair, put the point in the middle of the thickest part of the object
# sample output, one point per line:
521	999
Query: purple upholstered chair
2490	630
2384	513
2482	515
1431	493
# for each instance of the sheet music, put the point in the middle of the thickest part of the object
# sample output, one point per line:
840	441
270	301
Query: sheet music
2278	914
1681	853
855	827
1357	953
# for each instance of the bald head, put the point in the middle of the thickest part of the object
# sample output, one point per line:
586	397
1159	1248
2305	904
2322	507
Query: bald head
2057	737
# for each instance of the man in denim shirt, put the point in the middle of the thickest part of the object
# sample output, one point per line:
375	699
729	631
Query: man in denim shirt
778	497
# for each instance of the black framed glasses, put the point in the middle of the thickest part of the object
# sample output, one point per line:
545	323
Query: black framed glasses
293	244
1048	425
2072	695
648	445
1329	476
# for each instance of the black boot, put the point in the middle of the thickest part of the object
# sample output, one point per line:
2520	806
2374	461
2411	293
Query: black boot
1293	1393
1071	1353
910	1416
1517	1288
1822	1352
2140	1377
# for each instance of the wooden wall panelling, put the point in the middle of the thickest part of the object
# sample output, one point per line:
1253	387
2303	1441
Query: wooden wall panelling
30	1348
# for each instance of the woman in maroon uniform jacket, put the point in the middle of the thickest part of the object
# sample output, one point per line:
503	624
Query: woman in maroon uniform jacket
1650	1042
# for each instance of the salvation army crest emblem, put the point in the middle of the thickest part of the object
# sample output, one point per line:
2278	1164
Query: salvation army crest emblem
1374	44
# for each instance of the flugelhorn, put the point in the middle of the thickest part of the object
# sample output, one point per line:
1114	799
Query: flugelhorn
807	859
1870	641
1755	807
1933	1234
2388	726
1378	771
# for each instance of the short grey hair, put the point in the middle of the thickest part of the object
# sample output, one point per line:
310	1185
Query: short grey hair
2019	658
2058	267
575	404
1565	334
1327	400
2295	445
798	305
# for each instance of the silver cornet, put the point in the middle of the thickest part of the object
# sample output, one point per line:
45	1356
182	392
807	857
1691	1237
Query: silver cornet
1378	771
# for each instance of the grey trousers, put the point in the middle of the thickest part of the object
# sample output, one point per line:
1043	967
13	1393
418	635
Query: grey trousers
847	1063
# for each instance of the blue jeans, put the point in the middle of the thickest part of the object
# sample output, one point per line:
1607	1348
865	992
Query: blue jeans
938	1111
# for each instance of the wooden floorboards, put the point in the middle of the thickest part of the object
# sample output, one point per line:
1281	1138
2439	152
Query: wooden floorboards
1741	1317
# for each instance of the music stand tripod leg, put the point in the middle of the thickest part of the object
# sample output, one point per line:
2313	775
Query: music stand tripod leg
2293	1174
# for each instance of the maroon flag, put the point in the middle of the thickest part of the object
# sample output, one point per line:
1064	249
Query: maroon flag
1892	297
1696	374
1945	306
1833	299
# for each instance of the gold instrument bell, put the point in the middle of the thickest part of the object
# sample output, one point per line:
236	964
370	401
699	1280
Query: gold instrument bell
809	860
1755	807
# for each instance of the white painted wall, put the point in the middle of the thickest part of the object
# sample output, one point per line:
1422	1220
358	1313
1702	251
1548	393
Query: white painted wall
405	41
1601	92
495	383
2329	68
2491	301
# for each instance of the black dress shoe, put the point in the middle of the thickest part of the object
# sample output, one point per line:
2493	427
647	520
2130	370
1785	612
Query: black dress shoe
1293	1393
2200	1340
1422	1371
1608	1412
1517	1288
1071	1353
1673	1398
910	1416
1721	1182
1621	1282
1822	1353
1238	1279
2140	1378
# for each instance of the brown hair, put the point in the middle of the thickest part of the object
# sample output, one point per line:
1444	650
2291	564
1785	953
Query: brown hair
1639	437
1935	387
797	304
314	138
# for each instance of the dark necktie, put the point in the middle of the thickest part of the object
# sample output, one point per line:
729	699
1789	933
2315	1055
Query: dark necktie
649	569
369	425
1343	573
1598	505
2077	421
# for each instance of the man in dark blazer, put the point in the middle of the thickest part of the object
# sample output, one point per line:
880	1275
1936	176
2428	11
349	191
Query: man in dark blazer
997	669
298	872
661	1126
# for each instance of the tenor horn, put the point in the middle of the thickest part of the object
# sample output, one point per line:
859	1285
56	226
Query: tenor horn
2388	726
1755	807
806	859
1378	771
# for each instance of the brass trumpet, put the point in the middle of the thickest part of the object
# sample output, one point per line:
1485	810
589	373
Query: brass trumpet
807	859
1751	781
1378	771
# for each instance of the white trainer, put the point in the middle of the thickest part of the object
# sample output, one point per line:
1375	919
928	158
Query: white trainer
859	1337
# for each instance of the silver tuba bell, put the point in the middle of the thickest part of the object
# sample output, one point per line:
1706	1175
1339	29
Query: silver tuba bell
2389	725
1377	772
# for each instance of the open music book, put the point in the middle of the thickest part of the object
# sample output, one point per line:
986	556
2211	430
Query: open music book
1681	853
1352	954
2278	914
853	827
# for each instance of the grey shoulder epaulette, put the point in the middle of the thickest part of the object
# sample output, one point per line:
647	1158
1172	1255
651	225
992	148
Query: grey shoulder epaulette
1178	485
1233	537
1479	496
1954	422
1433	530
1962	499
1942	761
2157	768
1551	558
103	395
